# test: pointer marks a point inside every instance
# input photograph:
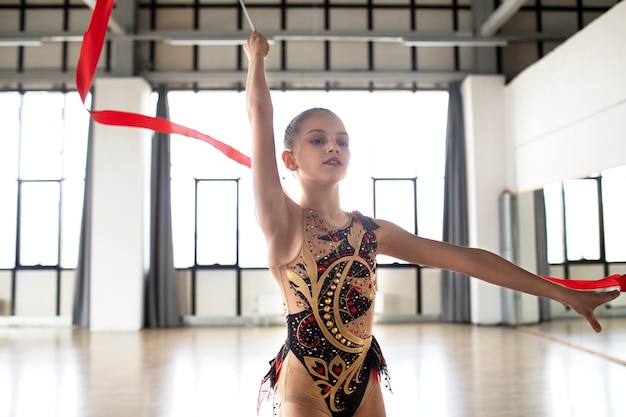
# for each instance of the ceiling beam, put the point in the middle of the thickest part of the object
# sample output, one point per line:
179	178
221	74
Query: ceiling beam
114	26
500	16
308	76
226	78
424	39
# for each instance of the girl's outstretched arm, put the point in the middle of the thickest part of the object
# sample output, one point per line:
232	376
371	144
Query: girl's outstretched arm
272	204
487	266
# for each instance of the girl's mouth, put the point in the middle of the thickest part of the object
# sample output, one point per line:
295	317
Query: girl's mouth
333	161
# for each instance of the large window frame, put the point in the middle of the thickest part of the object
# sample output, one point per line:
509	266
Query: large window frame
45	150
59	269
583	227
390	127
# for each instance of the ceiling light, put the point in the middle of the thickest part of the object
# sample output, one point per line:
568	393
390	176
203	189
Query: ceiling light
204	42
62	38
455	41
337	38
20	42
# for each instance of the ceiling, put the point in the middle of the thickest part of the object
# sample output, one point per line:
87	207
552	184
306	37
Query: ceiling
349	44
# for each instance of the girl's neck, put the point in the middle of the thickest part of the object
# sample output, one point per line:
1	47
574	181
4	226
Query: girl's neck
325	204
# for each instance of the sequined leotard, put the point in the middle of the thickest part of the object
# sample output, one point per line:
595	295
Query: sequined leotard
329	292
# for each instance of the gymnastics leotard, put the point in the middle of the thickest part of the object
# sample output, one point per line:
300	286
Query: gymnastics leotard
329	292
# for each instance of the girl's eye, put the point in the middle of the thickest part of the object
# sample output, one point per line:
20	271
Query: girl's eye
344	143
316	141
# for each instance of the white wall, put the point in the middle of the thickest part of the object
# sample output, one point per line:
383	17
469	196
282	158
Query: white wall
563	117
566	114
488	170
120	208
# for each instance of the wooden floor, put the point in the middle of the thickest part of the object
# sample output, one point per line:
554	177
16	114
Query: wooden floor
556	369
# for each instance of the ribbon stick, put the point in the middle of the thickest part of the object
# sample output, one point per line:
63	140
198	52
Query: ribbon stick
90	52
613	281
245	11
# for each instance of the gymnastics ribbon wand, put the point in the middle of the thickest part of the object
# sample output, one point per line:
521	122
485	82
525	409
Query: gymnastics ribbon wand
245	12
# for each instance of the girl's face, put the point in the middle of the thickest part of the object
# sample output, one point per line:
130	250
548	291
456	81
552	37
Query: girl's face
321	149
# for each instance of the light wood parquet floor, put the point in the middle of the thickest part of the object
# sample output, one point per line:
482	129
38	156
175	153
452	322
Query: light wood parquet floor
557	369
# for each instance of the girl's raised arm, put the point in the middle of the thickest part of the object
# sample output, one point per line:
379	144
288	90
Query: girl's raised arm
270	200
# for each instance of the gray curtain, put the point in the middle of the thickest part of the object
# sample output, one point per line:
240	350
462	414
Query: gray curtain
541	244
455	289
161	288
82	281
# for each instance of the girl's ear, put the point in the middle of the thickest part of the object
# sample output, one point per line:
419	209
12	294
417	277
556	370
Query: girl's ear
289	161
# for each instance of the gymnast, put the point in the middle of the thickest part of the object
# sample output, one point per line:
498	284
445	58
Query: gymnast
324	261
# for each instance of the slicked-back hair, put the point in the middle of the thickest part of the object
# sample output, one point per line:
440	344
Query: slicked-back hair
291	131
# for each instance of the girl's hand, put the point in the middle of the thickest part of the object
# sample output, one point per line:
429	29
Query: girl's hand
585	303
256	44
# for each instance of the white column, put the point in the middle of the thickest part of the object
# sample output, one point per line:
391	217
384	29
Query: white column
489	173
120	208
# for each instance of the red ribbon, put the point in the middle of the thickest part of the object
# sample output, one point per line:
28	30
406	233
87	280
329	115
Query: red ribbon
90	51
611	281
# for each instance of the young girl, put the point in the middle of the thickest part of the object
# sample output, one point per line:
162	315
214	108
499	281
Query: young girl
324	260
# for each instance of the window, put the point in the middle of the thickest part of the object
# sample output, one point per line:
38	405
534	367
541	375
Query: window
398	144
394	135
396	199
584	217
216	223
614	201
9	150
42	173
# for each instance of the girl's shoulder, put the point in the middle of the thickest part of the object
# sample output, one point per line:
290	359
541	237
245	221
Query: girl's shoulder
368	222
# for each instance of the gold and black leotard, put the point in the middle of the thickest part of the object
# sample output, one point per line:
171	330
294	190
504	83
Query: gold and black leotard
329	292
